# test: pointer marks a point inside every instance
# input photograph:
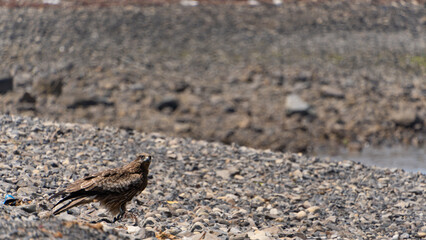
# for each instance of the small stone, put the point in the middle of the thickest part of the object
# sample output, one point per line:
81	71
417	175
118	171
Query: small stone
210	236
303	76
27	191
258	200
301	215
66	162
421	234
180	86
295	104
346	163
168	103
30	208
330	91
197	227
275	211
204	210
259	235
273	230
199	219
234	230
229	198
85	102
150	221
133	229
109	84
165	211
209	195
404	117
224	174
174	230
242	211
66	217
182	127
102	213
296	174
417	190
402	204
239	177
181	211
44	214
313	209
404	236
148	232
22	80
244	122
306	204
107	227
239	236
331	219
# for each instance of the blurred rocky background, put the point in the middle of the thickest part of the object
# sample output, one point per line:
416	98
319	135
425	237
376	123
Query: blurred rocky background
298	76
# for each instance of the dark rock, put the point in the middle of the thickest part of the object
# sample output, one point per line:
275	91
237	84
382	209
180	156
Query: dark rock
148	233
149	221
303	76
6	83
84	103
27	98
230	109
197	227
180	86
29	208
169	103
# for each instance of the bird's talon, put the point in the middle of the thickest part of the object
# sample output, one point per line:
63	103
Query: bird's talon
102	220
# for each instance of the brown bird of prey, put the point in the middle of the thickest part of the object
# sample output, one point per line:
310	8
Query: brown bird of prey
113	188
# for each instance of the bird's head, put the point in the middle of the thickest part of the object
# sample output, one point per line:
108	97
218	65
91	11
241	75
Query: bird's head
141	163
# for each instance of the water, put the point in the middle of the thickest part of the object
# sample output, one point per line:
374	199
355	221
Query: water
410	159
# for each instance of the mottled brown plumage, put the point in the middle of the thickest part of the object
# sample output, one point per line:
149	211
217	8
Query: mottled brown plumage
113	188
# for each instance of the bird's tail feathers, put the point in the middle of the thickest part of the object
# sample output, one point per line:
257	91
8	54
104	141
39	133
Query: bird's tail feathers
57	194
74	201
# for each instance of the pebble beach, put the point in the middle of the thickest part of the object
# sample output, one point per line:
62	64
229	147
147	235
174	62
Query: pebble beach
198	189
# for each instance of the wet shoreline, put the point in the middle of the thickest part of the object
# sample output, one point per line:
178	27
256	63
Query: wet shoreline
410	159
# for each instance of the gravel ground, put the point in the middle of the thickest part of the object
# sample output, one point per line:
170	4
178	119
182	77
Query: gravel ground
199	189
293	77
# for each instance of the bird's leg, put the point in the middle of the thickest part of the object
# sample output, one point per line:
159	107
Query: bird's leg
121	214
135	219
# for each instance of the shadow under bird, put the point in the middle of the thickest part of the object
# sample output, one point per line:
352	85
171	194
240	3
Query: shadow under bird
113	188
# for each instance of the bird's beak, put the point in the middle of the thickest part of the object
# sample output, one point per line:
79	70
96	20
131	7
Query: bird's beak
147	159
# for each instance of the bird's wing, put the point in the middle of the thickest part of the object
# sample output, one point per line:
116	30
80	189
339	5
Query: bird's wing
74	201
117	183
81	184
91	181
